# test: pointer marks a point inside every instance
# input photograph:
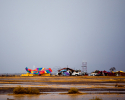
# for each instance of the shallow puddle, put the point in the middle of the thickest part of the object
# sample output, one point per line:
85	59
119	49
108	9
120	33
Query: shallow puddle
26	84
89	92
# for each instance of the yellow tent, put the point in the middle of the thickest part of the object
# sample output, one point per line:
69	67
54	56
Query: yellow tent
28	74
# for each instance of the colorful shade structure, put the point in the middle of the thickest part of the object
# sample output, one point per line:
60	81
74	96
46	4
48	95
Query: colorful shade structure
39	71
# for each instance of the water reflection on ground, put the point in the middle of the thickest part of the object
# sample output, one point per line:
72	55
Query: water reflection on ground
26	84
44	84
64	97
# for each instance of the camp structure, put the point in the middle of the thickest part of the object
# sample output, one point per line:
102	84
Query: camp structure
38	72
65	72
120	73
105	73
27	74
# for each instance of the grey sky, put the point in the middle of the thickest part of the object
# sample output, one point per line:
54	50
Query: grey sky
57	33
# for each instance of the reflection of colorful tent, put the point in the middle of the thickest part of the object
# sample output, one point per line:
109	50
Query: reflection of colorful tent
38	71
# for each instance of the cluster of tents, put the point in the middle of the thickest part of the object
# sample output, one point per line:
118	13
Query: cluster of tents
46	72
68	72
106	73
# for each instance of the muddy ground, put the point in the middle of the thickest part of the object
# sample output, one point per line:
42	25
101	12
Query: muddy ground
64	83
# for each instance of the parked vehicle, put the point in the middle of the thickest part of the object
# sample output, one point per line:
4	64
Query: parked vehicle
76	73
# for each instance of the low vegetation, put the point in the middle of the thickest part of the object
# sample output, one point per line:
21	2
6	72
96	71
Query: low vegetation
117	85
96	98
22	90
73	91
63	79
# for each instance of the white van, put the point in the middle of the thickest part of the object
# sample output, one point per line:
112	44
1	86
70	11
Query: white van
76	73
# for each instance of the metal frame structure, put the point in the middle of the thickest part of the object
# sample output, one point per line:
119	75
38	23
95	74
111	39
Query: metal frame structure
84	66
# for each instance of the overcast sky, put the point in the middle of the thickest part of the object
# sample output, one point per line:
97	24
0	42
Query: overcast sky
61	33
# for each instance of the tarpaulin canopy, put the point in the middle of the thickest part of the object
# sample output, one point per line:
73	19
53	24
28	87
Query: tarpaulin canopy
38	71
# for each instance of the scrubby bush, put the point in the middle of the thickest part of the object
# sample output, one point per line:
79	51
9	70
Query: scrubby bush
22	90
96	98
32	91
19	90
73	91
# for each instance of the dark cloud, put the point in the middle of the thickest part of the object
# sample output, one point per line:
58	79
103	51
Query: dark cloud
59	33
